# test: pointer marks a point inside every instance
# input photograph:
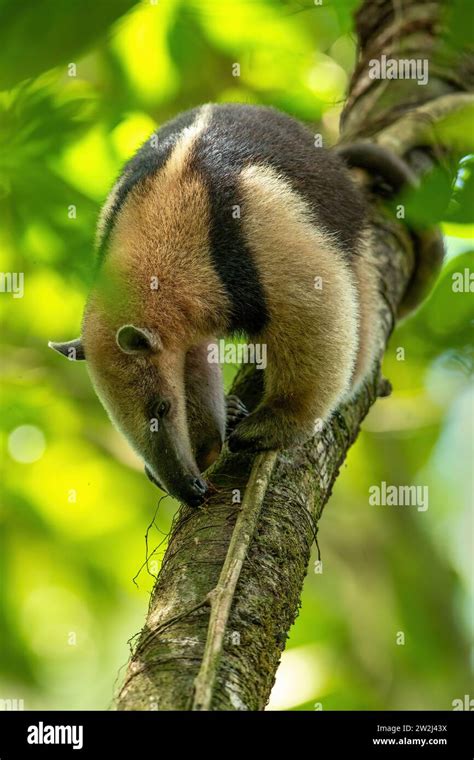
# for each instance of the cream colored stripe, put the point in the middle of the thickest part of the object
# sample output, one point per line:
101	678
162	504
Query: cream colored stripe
106	210
185	143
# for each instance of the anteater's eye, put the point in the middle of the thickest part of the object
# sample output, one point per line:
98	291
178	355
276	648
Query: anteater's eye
162	408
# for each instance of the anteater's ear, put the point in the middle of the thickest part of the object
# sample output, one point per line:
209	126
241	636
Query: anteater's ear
71	349
137	340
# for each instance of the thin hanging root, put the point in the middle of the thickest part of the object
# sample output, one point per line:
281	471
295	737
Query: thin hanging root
222	595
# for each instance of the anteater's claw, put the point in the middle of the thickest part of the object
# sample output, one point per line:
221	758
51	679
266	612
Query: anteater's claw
236	411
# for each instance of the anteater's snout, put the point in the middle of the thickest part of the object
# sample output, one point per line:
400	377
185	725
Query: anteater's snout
191	489
196	491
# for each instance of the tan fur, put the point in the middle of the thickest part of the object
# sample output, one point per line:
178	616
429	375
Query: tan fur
162	231
369	298
174	166
312	334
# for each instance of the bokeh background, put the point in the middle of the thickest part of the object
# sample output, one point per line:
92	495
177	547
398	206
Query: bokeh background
386	624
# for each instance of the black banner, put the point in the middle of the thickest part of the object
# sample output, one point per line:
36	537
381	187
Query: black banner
376	734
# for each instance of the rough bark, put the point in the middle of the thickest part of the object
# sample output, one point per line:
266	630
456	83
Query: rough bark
169	650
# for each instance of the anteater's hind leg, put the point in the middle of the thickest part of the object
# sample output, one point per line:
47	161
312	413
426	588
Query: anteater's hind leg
300	390
294	397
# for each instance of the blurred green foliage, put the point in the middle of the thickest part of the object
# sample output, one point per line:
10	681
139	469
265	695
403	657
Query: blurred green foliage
84	83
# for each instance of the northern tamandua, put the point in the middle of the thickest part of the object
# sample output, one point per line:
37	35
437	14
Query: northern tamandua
228	220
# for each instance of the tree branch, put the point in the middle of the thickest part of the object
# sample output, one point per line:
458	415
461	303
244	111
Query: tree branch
222	596
248	562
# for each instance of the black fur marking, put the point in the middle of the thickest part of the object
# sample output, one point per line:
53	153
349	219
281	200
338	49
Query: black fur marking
215	161
147	161
241	134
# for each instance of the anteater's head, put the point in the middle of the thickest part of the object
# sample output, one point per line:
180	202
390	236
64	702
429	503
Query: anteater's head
140	382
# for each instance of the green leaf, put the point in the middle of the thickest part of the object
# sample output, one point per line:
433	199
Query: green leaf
36	36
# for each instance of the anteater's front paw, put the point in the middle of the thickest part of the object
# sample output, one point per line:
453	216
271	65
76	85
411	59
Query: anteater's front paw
235	412
265	430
